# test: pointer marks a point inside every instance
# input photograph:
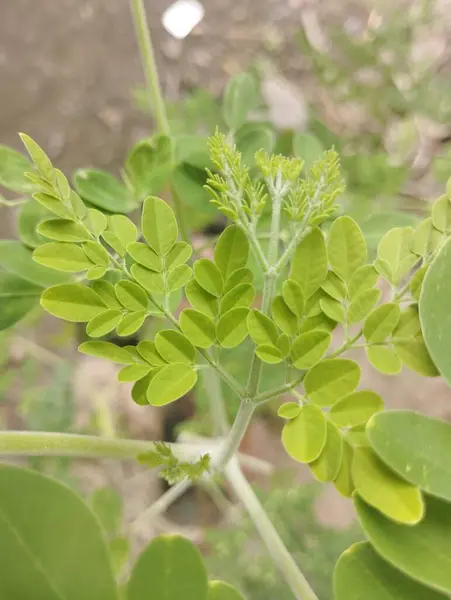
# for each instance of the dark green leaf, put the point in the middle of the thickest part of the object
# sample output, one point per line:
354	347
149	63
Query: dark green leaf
170	568
420	552
49	536
361	573
16	258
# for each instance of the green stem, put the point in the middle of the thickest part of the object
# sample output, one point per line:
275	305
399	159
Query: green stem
212	386
276	392
162	504
37	443
149	65
277	549
235	437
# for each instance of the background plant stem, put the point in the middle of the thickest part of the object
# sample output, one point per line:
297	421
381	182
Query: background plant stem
149	65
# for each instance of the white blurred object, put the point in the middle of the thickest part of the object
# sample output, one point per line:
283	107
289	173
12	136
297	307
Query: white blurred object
182	17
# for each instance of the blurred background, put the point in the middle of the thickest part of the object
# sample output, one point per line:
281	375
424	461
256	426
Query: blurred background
371	78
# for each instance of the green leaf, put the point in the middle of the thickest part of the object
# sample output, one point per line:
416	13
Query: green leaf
131	296
231	251
434	310
96	272
201	299
426	238
357	437
294	296
289	410
170	568
54	205
283	317
198	328
208	276
331	380
145	256
97	253
408	326
382	488
283	344
13	166
171	383
361	573
362	305
108	507
16	258
114	242
309	265
119	548
178	277
231	329
252	137
269	354
416	283
385	359
17	298
30	216
327	465
333	309
309	348
420	552
149	164
77	204
149	353
107	350
188	185
241	295
240	97
149	280
416	447
131	323
39	157
394	250
441	214
261	329
346	247
101	189
174	347
62	256
180	253
381	322
123	228
140	387
415	355
218	590
95	221
72	302
38	518
356	408
343	482
238	277
103	323
304	437
133	372
320	321
364	278
105	290
158	225
308	147
63	230
334	286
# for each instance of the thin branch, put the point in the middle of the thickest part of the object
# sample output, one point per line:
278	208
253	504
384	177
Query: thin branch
277	549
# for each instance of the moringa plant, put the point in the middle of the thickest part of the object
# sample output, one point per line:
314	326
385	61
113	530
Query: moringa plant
316	279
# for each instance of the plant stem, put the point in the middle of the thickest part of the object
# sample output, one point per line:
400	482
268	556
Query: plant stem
212	386
163	503
277	549
274	393
232	442
149	65
37	443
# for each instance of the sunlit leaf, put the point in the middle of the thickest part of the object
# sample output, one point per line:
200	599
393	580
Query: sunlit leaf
289	410
346	247
171	383
327	465
174	347
381	322
158	225
208	276
331	379
294	296
356	408
269	353
309	348
109	351
309	265
382	488
304	437
262	329
284	318
385	359
231	329
103	323
198	328
72	302
231	251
